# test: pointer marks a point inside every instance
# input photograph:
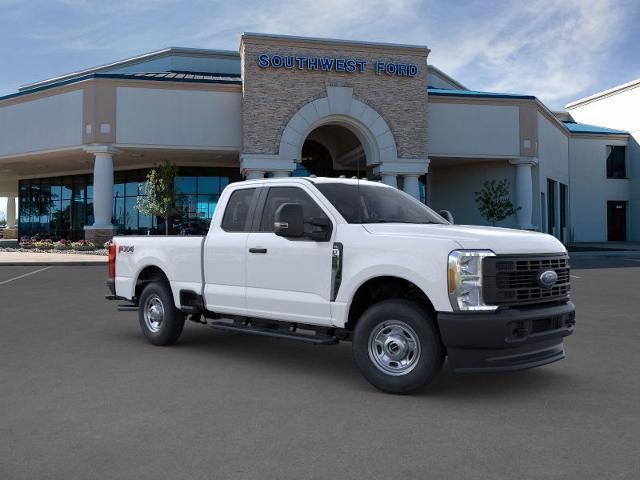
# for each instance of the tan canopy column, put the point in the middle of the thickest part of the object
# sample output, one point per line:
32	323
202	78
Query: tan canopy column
524	191
409	169
102	228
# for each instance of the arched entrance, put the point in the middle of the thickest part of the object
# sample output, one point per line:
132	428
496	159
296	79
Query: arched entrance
338	135
332	150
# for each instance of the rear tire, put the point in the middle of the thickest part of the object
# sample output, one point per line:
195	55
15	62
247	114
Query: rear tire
161	322
397	346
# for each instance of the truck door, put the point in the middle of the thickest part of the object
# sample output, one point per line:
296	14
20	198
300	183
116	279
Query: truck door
224	256
288	279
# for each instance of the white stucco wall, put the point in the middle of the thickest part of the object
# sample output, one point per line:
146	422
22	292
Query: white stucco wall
453	188
463	129
42	124
590	189
621	111
190	118
553	163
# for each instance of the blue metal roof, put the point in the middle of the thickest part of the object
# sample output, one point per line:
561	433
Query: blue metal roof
575	127
445	92
188	77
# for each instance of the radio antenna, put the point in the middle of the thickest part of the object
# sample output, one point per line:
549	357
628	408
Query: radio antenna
359	206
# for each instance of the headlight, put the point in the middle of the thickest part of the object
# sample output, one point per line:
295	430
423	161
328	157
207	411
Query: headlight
465	280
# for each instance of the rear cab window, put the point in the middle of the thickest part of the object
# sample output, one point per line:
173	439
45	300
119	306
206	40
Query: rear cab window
236	215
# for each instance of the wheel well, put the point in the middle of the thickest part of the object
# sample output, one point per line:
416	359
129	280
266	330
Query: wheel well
383	288
147	275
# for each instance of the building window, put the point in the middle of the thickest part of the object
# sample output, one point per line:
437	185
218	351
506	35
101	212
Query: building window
60	207
616	161
56	207
564	205
551	207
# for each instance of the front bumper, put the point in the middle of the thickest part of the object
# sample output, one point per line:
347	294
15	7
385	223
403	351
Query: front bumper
509	339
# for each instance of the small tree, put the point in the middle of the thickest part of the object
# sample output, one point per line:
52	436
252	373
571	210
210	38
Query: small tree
160	193
493	201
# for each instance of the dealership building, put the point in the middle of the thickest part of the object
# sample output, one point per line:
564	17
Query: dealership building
75	150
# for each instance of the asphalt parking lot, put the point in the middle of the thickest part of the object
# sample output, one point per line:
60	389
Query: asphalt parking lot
83	396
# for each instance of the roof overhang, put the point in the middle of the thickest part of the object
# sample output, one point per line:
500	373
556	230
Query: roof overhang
145	57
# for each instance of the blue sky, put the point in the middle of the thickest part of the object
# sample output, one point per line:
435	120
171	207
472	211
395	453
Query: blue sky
558	50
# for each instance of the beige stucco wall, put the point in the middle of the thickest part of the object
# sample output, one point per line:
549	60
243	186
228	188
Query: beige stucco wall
48	122
453	188
272	96
462	129
179	117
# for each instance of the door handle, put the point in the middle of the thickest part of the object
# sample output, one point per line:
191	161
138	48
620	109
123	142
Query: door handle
257	250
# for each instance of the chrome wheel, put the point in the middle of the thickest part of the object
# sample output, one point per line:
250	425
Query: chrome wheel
394	348
153	313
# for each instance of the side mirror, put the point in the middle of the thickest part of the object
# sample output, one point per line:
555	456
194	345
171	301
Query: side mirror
447	215
289	220
321	229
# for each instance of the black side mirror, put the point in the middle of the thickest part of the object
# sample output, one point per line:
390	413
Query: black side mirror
447	215
289	220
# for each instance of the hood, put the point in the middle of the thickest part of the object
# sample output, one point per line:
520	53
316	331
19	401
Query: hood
499	240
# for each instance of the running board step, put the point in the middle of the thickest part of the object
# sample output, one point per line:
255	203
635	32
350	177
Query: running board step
127	308
317	339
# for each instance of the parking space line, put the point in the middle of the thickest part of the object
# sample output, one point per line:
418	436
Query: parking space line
575	276
25	275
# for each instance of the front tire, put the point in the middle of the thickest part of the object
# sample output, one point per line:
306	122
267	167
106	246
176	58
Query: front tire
161	322
397	346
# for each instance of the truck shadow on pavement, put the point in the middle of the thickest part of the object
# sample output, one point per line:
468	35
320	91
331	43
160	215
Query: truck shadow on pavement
335	365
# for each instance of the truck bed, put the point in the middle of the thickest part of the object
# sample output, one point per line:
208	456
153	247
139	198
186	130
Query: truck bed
179	257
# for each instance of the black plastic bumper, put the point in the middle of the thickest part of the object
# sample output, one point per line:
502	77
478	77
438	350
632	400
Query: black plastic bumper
111	284
511	339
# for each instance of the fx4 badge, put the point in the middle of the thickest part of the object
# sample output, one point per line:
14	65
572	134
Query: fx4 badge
125	249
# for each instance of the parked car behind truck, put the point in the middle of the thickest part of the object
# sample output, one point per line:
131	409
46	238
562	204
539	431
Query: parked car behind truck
324	260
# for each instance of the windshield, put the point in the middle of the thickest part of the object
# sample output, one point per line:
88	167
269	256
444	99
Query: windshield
376	204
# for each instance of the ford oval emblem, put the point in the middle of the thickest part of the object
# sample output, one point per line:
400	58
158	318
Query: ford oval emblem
547	278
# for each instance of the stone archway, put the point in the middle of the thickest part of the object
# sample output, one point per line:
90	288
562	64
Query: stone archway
340	108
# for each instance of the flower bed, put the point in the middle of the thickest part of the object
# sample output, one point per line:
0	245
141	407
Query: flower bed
47	245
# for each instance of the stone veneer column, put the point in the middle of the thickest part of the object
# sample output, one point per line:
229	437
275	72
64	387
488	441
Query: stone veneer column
524	191
102	228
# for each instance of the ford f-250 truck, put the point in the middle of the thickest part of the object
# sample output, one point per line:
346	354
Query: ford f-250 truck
323	260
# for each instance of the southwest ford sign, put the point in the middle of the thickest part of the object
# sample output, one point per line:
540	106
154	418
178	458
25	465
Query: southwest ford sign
335	64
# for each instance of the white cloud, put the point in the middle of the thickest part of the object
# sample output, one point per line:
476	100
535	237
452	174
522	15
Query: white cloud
553	49
548	48
348	19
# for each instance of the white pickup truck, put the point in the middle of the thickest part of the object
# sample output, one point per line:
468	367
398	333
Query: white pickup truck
323	260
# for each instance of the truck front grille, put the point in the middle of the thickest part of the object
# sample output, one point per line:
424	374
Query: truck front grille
513	280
